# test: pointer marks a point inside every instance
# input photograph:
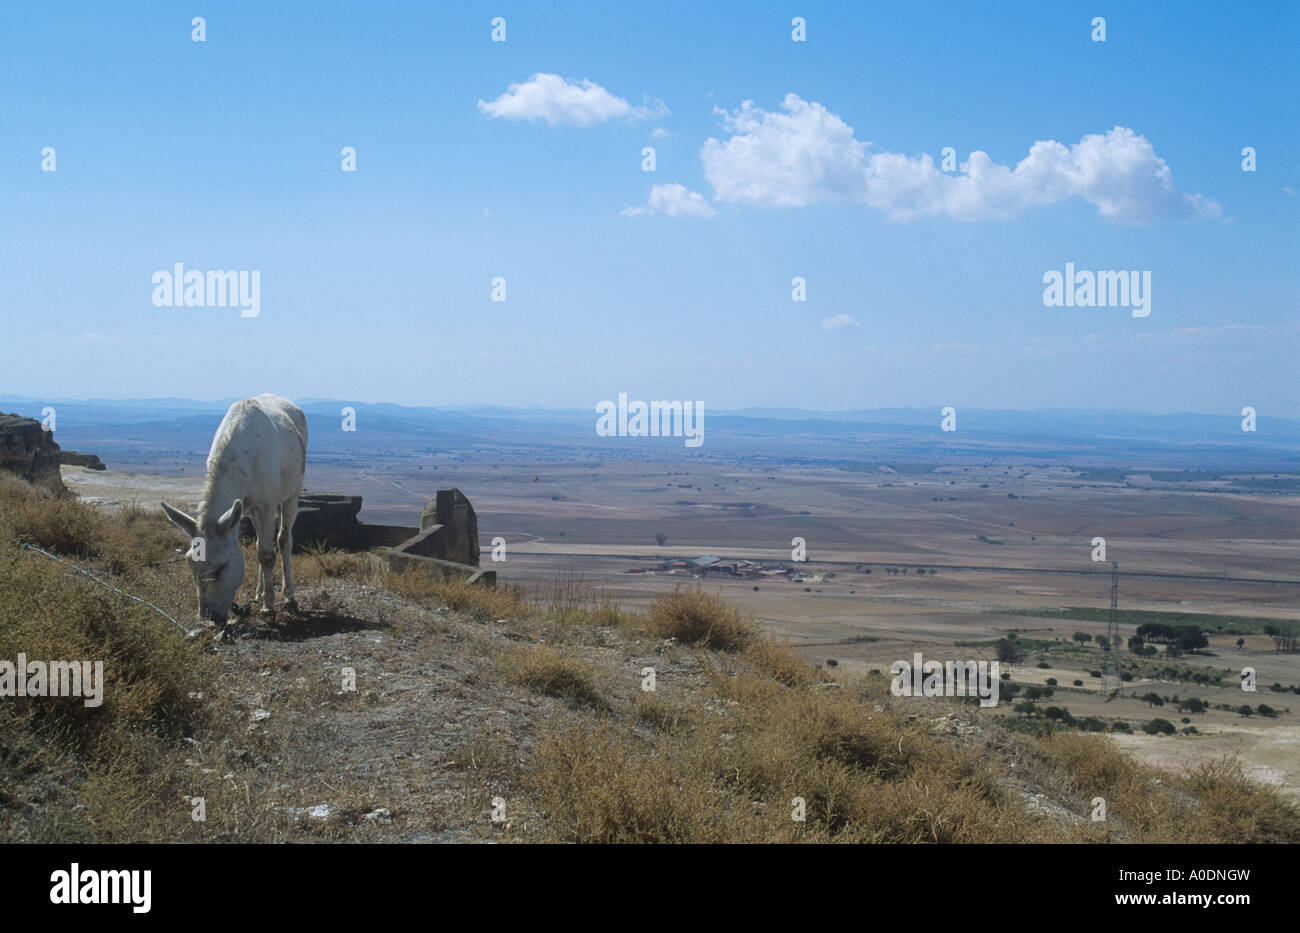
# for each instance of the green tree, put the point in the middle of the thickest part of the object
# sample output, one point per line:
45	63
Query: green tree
1191	639
1159	727
1007	652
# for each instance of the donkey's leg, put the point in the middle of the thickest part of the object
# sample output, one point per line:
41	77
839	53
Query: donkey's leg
258	519
264	522
288	512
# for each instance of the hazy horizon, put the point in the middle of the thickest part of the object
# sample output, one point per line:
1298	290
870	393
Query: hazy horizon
770	411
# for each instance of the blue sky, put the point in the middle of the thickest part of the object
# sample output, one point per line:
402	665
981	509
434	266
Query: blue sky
923	287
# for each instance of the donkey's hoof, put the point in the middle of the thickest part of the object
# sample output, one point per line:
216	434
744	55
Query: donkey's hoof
291	605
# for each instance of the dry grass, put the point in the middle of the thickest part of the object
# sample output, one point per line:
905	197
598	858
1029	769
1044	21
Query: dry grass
595	783
557	674
149	667
741	781
481	602
124	770
64	526
735	776
780	661
651	710
1216	803
1233	807
121	541
748	728
486	753
695	617
570	600
317	562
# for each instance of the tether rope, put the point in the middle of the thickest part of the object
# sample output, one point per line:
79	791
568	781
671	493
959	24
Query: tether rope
80	570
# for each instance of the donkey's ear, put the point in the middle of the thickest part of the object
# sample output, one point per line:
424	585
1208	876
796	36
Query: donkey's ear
231	518
181	520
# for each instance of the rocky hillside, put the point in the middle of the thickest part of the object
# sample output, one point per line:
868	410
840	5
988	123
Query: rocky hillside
27	450
388	707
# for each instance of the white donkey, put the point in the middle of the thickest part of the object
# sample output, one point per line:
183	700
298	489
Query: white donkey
257	461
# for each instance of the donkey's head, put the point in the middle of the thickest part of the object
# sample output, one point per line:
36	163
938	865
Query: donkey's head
215	559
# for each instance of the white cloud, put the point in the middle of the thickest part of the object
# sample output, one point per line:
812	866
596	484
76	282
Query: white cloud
808	155
838	321
565	103
673	200
660	133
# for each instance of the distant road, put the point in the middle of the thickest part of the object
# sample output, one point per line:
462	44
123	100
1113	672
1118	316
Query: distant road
1204	578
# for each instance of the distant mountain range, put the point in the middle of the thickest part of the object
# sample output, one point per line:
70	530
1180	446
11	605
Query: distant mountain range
1167	441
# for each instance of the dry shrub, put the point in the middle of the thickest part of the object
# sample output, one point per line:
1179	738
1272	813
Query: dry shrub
14	491
150	668
135	536
1097	767
1233	808
1217	802
692	616
662	715
101	773
595	784
866	775
119	542
780	661
1095	761
790	730
556	674
868	770
732	773
64	526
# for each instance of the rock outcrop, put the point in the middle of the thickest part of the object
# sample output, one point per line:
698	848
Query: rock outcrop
74	458
29	450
